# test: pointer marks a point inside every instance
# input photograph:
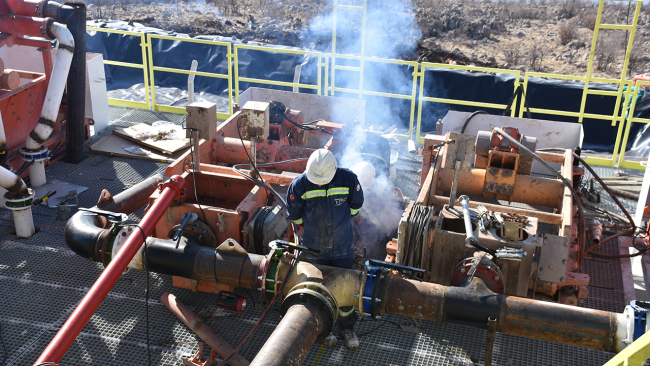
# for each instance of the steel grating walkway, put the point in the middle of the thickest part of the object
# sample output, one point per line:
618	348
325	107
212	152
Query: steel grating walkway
41	282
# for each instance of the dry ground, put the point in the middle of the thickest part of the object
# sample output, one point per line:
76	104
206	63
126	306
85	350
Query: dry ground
542	35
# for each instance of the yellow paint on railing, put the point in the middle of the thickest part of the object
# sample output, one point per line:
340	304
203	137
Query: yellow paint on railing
634	354
423	98
631	101
143	66
152	69
239	79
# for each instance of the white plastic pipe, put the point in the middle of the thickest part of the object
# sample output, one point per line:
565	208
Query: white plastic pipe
3	138
11	182
24	223
55	88
190	83
37	174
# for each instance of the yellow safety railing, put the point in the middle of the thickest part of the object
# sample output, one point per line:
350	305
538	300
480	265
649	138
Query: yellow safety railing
143	66
239	79
580	115
331	89
364	11
634	354
152	69
631	99
424	98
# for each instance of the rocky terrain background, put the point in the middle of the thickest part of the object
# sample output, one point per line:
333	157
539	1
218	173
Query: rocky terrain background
552	36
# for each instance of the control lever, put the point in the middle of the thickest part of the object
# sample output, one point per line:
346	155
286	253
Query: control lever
282	244
478	258
113	217
44	198
188	219
405	270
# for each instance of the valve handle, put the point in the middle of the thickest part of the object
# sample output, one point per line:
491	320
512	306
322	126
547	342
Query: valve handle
405	270
285	244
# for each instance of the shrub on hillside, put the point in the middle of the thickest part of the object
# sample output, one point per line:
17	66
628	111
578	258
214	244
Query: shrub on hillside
567	32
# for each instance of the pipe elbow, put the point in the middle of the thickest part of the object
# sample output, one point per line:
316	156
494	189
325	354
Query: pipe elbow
82	234
63	35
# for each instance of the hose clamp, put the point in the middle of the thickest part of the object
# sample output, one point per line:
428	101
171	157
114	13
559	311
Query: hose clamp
637	317
374	290
36	155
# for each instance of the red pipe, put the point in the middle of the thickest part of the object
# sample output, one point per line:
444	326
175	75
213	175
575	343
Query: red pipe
87	307
26	26
27	7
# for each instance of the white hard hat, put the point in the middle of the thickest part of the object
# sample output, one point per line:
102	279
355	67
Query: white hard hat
365	173
321	167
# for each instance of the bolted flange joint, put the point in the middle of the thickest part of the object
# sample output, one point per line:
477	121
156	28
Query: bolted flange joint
318	295
34	155
18	203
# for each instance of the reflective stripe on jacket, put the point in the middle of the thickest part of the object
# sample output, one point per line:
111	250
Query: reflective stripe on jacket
326	211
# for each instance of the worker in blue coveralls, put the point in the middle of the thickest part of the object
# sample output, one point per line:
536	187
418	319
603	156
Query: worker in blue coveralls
323	200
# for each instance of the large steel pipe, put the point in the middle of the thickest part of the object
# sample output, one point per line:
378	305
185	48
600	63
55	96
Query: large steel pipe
131	199
293	337
473	304
89	304
470	305
534	191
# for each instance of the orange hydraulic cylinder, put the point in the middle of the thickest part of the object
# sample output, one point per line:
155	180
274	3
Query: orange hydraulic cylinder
535	191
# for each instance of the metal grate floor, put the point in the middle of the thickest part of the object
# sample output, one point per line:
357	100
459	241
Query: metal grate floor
41	282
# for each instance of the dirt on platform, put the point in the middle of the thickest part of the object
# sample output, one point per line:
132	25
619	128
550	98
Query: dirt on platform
539	35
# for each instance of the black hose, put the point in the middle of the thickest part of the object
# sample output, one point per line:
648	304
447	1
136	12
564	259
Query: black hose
462	130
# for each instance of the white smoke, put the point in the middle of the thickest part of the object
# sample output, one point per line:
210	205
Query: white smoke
392	32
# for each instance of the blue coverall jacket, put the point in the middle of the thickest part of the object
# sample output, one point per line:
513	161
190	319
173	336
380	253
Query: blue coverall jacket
326	212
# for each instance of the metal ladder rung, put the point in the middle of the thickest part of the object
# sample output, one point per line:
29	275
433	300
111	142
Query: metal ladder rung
615	26
348	68
610	93
349	7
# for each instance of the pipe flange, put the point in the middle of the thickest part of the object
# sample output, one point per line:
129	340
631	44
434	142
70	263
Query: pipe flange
35	155
487	270
374	291
266	280
315	286
120	238
306	295
14	203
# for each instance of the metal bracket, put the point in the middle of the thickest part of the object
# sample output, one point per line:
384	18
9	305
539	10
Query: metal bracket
231	246
553	258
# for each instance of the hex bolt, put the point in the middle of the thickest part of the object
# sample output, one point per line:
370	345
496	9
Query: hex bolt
401	307
377	299
561	279
550	266
462	270
563	261
496	278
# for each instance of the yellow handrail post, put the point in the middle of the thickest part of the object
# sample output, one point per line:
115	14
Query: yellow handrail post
420	100
144	46
362	62
230	56
522	104
152	81
416	73
236	74
590	64
334	14
320	70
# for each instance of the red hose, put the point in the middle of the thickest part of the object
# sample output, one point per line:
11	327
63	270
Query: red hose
171	190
